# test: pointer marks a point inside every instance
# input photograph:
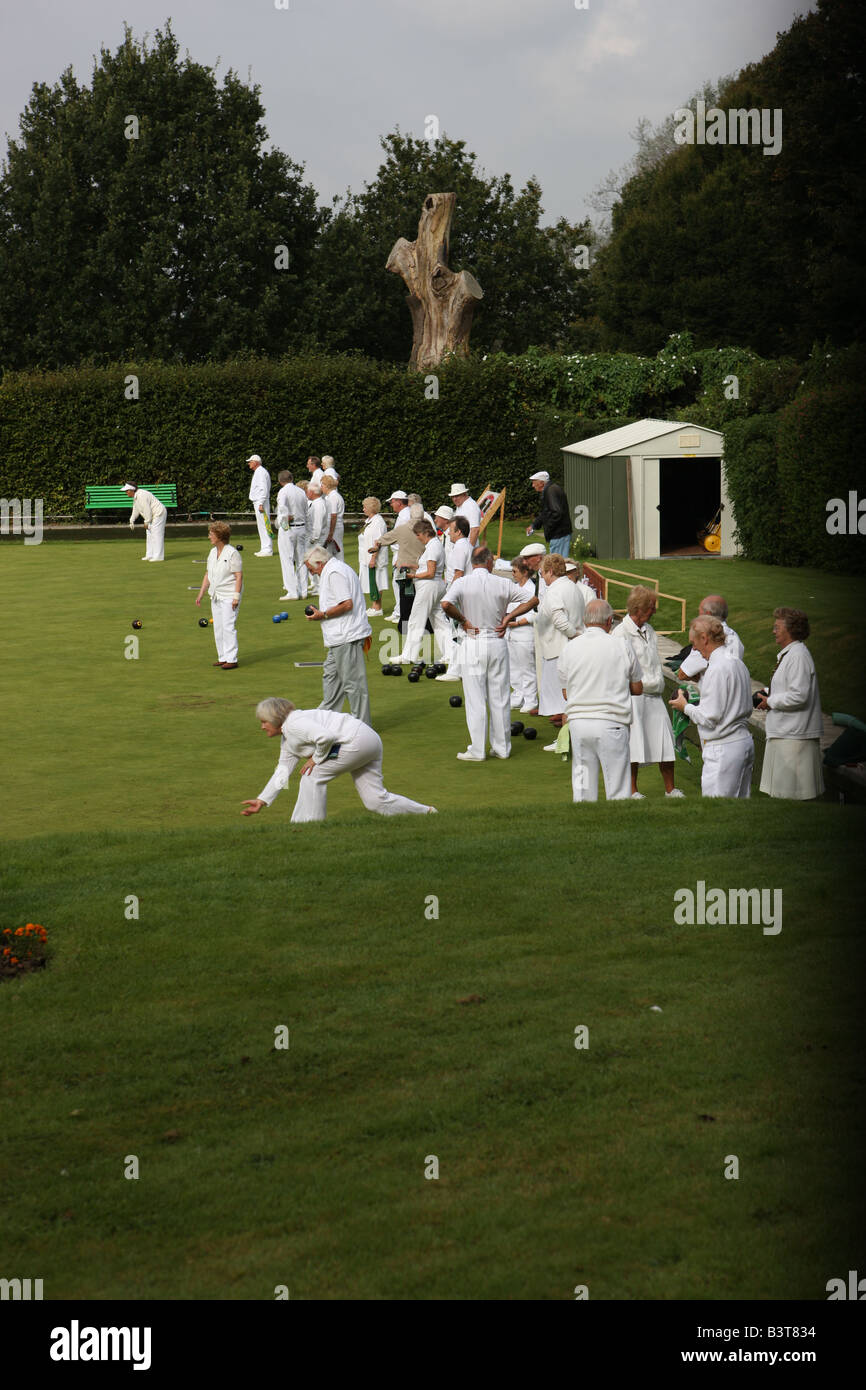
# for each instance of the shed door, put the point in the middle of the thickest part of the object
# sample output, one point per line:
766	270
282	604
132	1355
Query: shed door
690	493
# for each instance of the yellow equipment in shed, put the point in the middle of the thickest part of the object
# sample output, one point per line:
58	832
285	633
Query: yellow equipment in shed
710	536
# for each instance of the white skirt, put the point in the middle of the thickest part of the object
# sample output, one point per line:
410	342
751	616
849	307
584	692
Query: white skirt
651	739
550	699
792	769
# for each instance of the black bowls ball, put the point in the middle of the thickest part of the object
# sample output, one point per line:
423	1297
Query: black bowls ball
414	677
530	733
309	609
202	622
386	670
396	670
456	701
136	622
431	673
238	547
516	728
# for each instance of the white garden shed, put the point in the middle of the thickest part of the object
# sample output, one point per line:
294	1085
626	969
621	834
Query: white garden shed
651	489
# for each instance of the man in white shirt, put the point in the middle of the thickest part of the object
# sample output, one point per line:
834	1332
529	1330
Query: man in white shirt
722	713
260	496
466	506
291	535
598	677
154	515
336	510
315	470
713	606
317	530
345	629
399	504
483	598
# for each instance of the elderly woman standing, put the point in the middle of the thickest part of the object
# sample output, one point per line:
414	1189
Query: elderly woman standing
224	578
651	738
373	567
520	635
560	617
331	743
792	759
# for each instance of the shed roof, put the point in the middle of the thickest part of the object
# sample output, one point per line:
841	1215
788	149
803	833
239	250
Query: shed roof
622	440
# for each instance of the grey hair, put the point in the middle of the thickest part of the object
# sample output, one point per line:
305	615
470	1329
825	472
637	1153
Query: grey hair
274	710
318	554
414	497
313	490
285	477
707	626
327	460
416	511
598	612
714	606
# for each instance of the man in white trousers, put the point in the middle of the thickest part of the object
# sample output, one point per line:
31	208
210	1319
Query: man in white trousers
478	604
154	516
429	591
722	714
260	496
292	535
332	744
317	530
598	676
345	629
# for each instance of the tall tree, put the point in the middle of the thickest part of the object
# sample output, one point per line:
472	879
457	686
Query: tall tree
140	216
535	287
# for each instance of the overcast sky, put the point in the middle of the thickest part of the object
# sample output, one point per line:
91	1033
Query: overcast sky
533	86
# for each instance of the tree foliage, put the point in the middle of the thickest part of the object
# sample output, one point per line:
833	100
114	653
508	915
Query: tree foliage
161	245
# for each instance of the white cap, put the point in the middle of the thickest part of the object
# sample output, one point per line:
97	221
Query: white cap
400	497
569	566
541	477
457	488
535	548
129	487
447	512
253	458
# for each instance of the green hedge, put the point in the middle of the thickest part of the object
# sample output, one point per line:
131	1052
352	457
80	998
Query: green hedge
820	456
753	487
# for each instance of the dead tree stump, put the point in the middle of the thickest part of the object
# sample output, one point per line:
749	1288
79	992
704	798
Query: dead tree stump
441	302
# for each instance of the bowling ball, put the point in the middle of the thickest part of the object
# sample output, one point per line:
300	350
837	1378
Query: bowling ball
275	618
420	665
386	670
396	670
136	622
431	673
238	547
309	609
530	733
516	728
284	617
455	701
414	677
202	622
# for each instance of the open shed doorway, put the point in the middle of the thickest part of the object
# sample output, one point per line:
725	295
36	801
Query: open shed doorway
690	492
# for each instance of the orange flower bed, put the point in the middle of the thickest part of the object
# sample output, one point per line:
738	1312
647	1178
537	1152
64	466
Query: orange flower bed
22	949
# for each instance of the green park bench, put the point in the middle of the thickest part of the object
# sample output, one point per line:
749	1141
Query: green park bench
99	498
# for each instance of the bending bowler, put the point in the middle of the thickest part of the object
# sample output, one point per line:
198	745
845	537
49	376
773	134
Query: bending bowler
327	744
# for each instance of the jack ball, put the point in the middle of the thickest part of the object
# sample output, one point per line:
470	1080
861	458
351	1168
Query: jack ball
456	701
136	622
530	733
202	622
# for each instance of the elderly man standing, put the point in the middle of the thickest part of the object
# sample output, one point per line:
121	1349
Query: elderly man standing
399	504
466	506
553	517
693	666
260	496
315	470
483	598
598	677
722	713
153	514
316	531
345	630
291	535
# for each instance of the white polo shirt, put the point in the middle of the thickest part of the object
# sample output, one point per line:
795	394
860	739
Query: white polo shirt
336	583
694	664
483	598
725	706
221	571
292	504
595	671
434	551
460	558
260	485
471	510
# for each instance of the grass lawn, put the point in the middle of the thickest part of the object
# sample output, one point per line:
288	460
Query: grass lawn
417	1028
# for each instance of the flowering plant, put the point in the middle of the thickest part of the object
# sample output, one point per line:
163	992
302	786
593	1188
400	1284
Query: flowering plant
22	949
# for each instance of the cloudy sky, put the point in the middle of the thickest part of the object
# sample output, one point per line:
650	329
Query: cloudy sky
533	86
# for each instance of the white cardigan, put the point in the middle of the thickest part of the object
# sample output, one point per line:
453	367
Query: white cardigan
644	643
560	617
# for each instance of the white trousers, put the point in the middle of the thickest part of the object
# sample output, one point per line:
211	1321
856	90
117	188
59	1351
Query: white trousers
427	604
291	546
360	756
486	687
599	743
224	628
265	542
524	681
727	769
155	543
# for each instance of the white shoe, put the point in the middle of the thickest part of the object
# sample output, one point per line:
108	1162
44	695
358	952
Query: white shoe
499	755
393	618
145	557
260	553
532	709
638	796
449	678
469	758
282	598
676	792
374	613
549	748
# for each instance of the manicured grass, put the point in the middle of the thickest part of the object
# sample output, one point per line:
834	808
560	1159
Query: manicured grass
260	1166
